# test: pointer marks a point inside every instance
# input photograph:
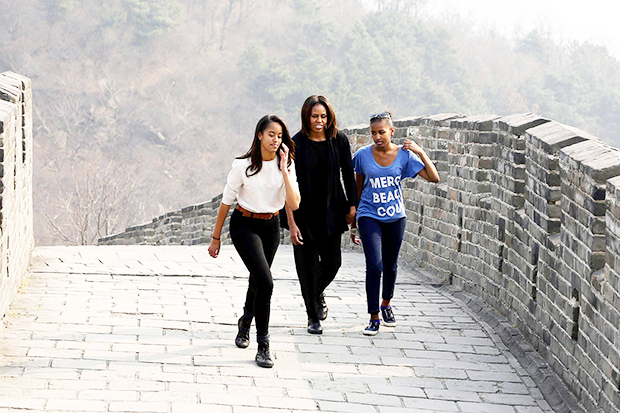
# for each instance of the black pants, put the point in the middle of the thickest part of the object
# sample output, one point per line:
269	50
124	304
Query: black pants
317	264
256	241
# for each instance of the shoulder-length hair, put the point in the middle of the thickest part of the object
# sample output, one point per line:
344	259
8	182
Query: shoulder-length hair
254	153
331	128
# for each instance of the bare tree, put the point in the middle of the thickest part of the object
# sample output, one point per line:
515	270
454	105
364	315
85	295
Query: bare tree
411	7
96	204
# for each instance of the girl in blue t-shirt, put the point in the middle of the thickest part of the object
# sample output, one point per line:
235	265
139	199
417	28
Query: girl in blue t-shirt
379	170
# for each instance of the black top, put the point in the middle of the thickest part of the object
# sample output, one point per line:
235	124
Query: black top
324	202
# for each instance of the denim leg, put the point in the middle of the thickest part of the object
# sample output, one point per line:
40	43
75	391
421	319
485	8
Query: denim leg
370	234
391	240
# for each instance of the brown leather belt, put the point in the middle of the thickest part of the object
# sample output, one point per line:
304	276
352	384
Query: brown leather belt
251	214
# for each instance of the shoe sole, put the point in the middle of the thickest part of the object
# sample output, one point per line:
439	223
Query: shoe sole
370	333
265	366
315	332
389	324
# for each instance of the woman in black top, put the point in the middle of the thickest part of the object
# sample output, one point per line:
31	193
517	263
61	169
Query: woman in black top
323	155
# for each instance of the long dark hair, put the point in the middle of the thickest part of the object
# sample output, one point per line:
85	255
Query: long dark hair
331	129
254	153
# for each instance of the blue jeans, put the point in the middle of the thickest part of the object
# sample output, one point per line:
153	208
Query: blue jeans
381	242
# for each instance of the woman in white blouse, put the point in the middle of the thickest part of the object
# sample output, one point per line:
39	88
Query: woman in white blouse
262	180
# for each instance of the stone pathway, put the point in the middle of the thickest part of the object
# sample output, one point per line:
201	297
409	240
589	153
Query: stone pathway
151	329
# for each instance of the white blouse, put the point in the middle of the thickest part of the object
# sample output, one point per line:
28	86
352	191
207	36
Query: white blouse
264	192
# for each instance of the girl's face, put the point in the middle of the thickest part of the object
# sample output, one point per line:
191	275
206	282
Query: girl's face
381	133
318	118
271	138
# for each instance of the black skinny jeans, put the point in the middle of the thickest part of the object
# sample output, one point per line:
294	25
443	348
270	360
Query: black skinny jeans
317	263
256	241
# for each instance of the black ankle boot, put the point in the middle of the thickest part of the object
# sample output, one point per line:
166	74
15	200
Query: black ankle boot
243	336
314	327
321	307
263	356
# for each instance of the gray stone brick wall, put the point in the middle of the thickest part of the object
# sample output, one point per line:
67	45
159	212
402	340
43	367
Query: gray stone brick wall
188	226
16	224
526	217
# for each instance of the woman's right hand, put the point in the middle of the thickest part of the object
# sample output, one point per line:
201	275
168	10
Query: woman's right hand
284	151
214	248
296	237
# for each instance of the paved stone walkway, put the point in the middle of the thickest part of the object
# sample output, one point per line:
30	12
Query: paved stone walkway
151	329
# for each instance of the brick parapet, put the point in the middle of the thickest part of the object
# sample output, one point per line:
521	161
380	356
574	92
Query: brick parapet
188	226
16	211
526	217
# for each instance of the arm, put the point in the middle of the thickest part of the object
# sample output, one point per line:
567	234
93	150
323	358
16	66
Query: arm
359	183
429	172
296	237
292	191
234	181
214	246
346	165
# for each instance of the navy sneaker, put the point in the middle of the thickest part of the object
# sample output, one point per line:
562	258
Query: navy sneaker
373	328
388	316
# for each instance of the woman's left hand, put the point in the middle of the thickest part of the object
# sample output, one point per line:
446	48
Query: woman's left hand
284	158
410	145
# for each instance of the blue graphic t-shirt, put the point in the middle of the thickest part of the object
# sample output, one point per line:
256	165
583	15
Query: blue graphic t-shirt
382	196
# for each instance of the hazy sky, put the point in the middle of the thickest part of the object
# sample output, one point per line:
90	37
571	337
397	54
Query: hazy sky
595	21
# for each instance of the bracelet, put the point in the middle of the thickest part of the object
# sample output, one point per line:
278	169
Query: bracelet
353	231
215	238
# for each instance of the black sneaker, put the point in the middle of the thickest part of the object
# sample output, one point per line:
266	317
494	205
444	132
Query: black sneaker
388	316
321	307
373	328
243	336
314	327
263	356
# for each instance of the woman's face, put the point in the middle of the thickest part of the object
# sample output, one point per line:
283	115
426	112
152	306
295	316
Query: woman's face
271	138
381	133
318	118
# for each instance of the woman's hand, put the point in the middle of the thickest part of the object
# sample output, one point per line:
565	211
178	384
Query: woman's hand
430	171
214	247
284	158
412	146
353	235
296	235
351	215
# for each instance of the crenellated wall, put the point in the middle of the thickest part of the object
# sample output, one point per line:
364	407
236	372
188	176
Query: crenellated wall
16	224
188	226
526	217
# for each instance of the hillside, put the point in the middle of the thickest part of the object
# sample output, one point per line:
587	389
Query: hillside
141	105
